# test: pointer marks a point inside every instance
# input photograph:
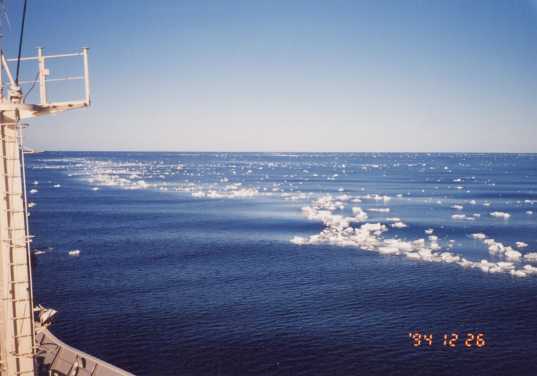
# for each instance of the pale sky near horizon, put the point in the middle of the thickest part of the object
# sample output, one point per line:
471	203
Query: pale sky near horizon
326	76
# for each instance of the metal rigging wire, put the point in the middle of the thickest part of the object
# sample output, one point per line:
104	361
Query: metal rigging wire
20	43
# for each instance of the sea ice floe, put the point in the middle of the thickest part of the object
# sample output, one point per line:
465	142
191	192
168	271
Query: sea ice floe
140	184
458	216
367	237
76	252
458	207
500	214
245	192
434	246
521	244
301	196
399	244
529	269
233	187
214	194
358	212
449	257
496	247
511	253
386	250
299	240
373	227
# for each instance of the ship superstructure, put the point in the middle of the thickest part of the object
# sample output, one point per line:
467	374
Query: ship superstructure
27	347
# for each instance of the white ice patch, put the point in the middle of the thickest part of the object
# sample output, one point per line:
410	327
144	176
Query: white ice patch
511	253
500	215
213	194
529	269
386	250
359	214
299	240
367	237
245	192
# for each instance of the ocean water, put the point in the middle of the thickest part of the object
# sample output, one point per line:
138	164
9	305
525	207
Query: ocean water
290	264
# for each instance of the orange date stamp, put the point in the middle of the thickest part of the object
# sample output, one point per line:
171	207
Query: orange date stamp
449	340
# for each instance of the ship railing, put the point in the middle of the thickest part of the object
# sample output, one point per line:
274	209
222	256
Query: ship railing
43	73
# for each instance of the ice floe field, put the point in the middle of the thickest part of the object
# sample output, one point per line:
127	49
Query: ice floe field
345	229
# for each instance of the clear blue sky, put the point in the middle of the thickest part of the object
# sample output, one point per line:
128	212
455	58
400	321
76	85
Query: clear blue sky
349	76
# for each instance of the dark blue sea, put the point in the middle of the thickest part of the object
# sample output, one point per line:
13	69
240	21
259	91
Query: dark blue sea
290	264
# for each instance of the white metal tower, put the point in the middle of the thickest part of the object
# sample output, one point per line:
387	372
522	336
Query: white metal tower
17	332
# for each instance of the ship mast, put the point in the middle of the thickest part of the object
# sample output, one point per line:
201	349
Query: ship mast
17	329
